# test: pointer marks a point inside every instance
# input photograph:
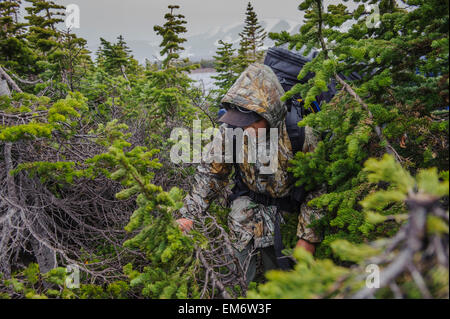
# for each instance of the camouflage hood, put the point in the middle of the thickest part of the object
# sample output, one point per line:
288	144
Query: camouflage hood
258	90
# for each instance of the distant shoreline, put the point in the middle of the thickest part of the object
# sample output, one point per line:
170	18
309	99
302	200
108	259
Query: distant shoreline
203	70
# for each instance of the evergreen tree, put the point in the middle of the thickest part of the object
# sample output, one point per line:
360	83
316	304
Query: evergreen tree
413	264
170	32
15	54
226	69
171	267
9	10
59	52
171	84
403	91
252	39
73	59
43	16
37	134
116	58
165	95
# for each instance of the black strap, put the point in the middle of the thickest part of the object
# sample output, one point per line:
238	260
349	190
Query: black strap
284	262
294	115
283	204
290	203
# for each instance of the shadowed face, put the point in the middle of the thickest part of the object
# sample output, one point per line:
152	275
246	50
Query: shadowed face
256	125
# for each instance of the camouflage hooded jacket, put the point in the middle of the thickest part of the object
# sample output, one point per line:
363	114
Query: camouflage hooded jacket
258	90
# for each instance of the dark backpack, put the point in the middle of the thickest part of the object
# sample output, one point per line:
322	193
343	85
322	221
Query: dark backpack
287	64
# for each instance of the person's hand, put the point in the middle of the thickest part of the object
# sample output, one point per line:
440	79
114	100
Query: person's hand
185	224
306	245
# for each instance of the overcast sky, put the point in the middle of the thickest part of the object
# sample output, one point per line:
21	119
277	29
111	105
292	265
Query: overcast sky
135	18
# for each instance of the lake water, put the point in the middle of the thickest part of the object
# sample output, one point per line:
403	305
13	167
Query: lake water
204	80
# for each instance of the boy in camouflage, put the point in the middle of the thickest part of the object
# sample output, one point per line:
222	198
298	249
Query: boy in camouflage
254	102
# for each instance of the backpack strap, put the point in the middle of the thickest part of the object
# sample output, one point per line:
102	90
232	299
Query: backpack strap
293	116
284	262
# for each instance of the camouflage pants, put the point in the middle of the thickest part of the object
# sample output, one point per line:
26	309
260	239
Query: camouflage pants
249	220
307	215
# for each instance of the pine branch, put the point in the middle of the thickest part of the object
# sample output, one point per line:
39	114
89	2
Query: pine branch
319	33
413	240
22	80
389	149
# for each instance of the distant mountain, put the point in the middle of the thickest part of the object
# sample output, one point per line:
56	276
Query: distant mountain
204	45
